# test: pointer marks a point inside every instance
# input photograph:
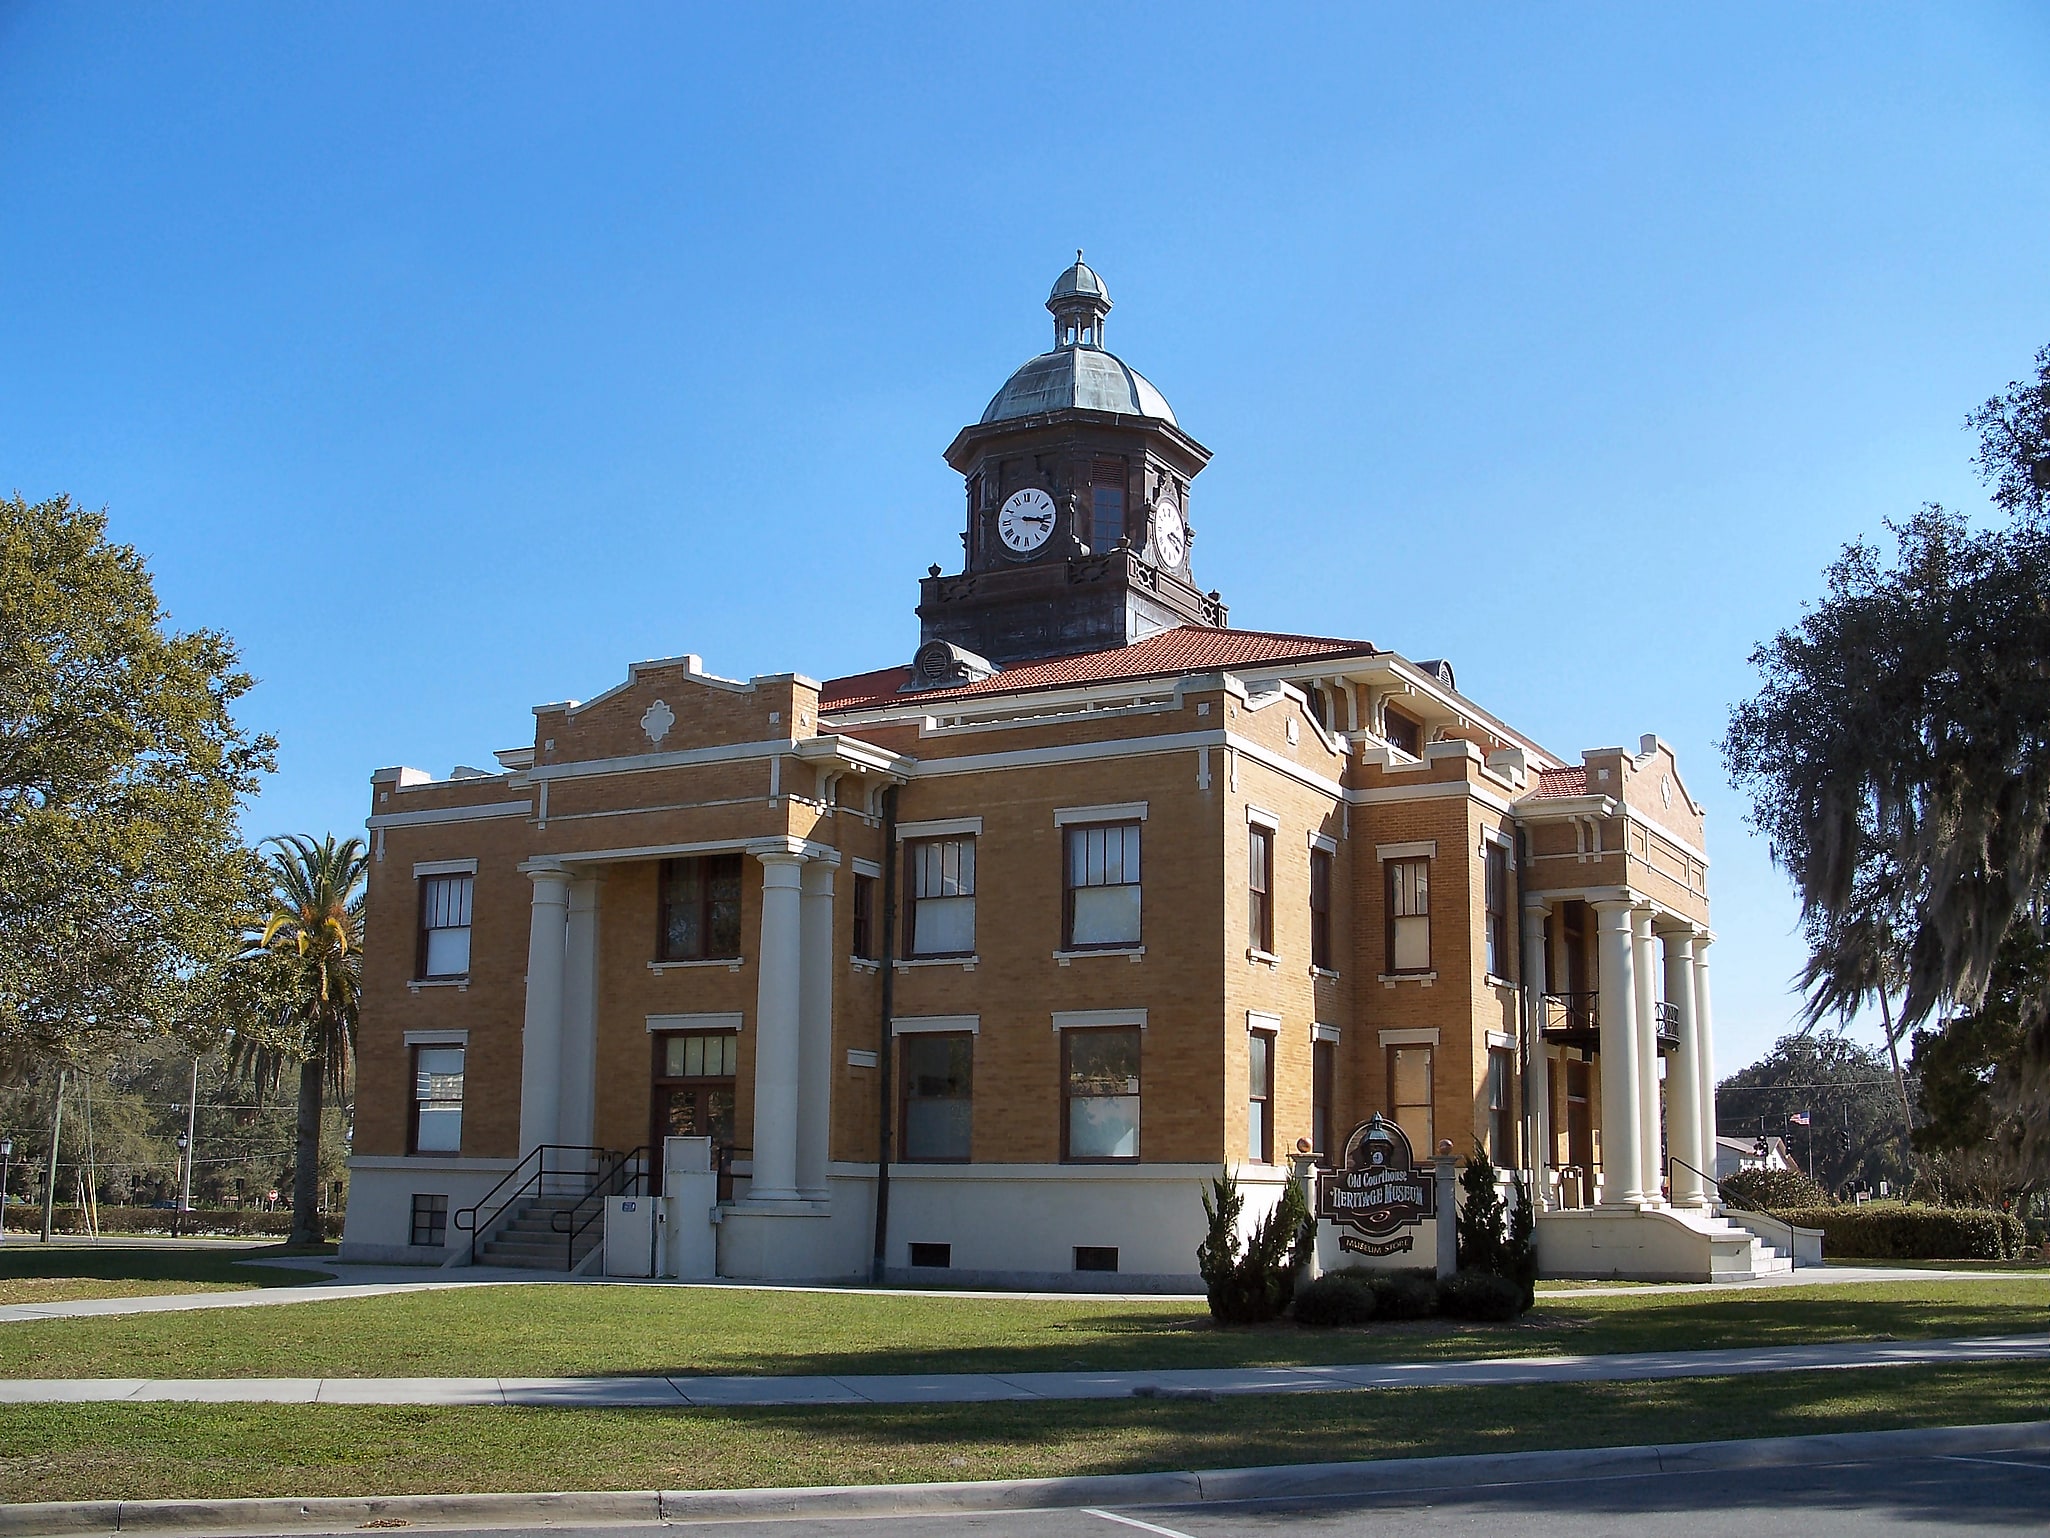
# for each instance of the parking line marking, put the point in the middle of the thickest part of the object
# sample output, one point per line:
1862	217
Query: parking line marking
1144	1527
2006	1463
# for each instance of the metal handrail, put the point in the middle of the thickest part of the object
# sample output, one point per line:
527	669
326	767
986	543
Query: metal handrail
1572	1011
518	1178
602	1186
1673	1159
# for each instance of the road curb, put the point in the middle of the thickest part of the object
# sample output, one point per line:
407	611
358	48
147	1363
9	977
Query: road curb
342	1514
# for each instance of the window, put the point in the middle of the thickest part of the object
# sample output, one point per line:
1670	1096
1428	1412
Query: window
437	1100
1096	1257
445	926
1103	885
934	1257
1260	887
938	1070
1495	860
865	918
1260	1097
1323	1086
1106	517
700	918
1409	1089
1402	732
1320	910
1409	915
1101	1071
940	876
430	1219
1501	1120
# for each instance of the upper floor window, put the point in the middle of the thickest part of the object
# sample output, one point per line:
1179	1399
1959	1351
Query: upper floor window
445	926
1100	1073
700	919
1403	732
1106	517
437	1122
1322	952
938	1074
940	915
865	945
1103	885
1323	1090
1260	888
1495	859
1409	915
1501	1111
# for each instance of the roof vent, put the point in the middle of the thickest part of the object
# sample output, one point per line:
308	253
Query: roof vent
1439	669
943	665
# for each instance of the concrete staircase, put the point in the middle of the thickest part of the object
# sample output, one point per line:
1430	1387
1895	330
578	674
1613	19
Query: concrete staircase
1654	1244
529	1241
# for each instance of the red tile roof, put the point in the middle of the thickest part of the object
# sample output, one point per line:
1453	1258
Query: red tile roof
1185	649
1569	781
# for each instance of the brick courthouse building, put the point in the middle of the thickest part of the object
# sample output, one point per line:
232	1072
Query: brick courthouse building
1093	896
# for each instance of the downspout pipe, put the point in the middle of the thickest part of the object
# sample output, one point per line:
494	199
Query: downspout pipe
1526	1021
885	1057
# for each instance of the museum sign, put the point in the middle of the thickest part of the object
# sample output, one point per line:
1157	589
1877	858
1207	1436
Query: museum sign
1377	1190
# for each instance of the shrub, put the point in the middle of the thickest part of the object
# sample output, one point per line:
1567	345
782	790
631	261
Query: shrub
1491	1237
1912	1233
252	1221
1256	1285
1336	1298
1404	1294
1480	1295
1771	1190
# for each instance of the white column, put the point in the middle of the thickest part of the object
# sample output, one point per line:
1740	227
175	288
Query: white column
541	1034
776	1030
815	1032
1539	1067
579	1063
1650	1166
1622	1178
1704	1026
1683	1102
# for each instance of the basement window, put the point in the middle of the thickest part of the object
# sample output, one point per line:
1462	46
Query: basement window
1096	1257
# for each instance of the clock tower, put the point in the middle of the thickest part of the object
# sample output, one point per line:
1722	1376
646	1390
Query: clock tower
1077	534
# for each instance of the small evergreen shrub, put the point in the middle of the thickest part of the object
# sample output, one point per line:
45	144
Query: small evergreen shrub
1256	1285
1336	1298
1480	1295
1913	1233
1771	1190
1492	1237
1404	1294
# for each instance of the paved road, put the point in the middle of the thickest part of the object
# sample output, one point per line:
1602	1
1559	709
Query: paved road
1992	1492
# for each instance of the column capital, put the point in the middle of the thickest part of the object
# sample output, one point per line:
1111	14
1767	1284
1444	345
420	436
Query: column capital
1614	905
550	877
817	879
780	860
1539	905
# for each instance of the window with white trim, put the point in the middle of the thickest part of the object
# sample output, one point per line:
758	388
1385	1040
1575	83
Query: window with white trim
1260	888
1100	1073
1102	885
445	926
1409	1096
1409	915
1260	1096
939	918
1495	876
939	1070
1322	952
437	1121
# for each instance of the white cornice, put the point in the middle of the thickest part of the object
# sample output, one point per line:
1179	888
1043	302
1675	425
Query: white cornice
449	814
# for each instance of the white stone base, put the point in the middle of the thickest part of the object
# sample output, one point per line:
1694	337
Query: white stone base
379	1227
1650	1245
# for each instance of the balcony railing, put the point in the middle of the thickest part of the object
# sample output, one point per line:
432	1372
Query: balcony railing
1667	1018
1572	1019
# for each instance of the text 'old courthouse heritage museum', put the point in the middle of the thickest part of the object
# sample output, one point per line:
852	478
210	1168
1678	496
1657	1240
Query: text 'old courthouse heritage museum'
1022	941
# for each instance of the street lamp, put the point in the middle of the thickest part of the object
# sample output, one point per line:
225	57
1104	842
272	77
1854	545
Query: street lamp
6	1165
185	1184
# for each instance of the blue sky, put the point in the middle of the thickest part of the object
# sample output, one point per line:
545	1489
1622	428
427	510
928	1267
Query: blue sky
451	357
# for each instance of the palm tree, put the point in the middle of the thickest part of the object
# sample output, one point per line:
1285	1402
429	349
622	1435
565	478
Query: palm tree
308	945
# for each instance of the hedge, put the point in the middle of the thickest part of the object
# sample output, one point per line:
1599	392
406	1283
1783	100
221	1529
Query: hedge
28	1217
1913	1233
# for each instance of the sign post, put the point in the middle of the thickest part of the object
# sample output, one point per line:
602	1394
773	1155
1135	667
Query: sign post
1448	1204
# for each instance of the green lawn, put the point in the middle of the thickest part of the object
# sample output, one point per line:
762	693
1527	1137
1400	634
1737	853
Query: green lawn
31	1272
542	1331
140	1451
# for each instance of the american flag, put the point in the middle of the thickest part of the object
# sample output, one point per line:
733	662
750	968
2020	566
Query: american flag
1799	1118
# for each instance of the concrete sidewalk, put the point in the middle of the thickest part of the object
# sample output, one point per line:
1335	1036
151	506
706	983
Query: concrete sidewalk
966	1388
329	1280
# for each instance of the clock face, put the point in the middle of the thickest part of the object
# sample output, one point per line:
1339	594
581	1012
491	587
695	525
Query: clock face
1026	521
1170	533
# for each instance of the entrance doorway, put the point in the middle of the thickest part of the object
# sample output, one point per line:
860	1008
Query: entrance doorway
693	1097
1576	1181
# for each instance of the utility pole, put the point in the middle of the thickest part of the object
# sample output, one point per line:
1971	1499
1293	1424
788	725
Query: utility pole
191	1148
50	1175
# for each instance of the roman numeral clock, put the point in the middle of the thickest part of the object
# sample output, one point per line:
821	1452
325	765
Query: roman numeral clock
1077	482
